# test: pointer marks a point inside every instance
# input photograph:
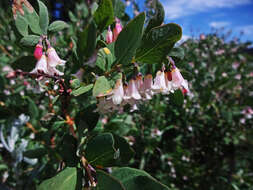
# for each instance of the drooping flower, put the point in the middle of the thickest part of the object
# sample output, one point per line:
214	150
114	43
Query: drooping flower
38	52
131	91
54	71
109	36
53	58
117	29
146	88
41	65
117	93
159	83
177	80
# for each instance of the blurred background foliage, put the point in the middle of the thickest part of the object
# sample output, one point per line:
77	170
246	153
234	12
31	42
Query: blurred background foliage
204	142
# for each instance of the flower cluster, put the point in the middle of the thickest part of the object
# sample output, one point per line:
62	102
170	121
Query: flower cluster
141	89
112	36
47	62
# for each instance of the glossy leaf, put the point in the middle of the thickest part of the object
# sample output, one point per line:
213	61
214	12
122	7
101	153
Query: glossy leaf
106	181
44	19
57	26
134	179
177	54
100	150
129	39
158	42
158	18
102	86
119	8
30	40
65	180
104	14
82	90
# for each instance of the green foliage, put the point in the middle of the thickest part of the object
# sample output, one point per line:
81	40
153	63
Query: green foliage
57	26
104	14
132	34
30	40
102	86
65	180
44	18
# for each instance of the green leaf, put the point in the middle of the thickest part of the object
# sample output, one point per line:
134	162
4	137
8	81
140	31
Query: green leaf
22	25
33	20
65	180
158	18
102	86
100	150
104	14
30	40
106	181
158	42
57	26
87	118
177	54
25	63
104	59
119	8
33	109
44	19
134	179
126	152
82	90
75	83
72	17
87	41
177	97
67	150
129	39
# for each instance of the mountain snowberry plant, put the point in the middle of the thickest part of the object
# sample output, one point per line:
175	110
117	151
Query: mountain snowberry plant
99	64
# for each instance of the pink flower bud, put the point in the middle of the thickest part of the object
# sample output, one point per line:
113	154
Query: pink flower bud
117	29
38	52
109	36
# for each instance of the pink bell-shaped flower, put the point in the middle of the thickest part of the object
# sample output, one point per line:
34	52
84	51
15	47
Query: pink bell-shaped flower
177	80
41	65
109	36
118	28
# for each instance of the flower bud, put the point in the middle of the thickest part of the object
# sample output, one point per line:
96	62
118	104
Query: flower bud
117	29
109	36
38	52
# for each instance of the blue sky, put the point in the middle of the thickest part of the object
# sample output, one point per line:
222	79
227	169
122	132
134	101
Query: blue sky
200	16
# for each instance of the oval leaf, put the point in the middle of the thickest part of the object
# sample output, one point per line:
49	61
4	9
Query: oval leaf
134	179
100	150
44	19
57	26
22	25
104	14
82	90
129	39
106	181
65	180
30	40
158	42
102	86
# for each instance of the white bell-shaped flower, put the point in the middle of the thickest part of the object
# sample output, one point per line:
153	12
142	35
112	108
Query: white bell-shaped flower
53	58
117	93
41	65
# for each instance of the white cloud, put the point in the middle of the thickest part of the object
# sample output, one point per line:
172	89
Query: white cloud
247	30
219	24
180	8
